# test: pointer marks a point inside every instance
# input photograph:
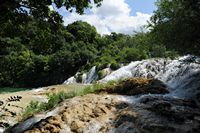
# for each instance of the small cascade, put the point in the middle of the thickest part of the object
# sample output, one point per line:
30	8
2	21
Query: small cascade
85	78
146	69
91	76
182	75
70	80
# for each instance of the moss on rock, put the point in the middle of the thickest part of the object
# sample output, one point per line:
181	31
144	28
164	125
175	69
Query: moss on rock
135	86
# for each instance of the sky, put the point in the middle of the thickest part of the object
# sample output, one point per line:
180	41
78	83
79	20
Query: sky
120	16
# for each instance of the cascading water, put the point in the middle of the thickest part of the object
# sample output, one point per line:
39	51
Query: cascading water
91	76
85	78
156	111
70	80
146	68
182	75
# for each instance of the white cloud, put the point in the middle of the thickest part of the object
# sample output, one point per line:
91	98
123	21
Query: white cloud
112	16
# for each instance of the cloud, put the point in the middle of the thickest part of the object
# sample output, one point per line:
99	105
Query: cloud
112	16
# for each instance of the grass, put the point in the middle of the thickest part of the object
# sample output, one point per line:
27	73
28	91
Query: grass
54	99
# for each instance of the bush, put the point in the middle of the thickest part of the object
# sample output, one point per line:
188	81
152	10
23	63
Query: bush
114	66
171	54
79	77
101	66
158	51
91	89
31	109
132	54
53	100
101	74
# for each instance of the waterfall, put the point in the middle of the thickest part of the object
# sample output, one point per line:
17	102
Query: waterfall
146	68
91	76
85	78
71	80
182	75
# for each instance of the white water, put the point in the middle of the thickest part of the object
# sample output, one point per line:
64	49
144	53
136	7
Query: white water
91	76
182	75
30	122
71	80
87	78
146	68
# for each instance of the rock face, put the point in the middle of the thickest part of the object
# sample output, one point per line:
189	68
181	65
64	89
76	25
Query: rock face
136	86
182	74
120	114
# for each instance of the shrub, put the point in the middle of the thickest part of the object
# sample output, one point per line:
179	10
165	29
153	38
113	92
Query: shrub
101	66
101	74
171	54
32	108
132	54
79	77
91	89
53	100
114	66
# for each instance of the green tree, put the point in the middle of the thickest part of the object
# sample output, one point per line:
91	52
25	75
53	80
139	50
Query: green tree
176	25
83	31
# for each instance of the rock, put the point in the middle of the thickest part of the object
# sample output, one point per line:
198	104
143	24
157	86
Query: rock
77	126
136	86
115	114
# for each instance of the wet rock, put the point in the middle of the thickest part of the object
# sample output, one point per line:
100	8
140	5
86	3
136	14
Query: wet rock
125	116
114	114
158	128
136	86
162	107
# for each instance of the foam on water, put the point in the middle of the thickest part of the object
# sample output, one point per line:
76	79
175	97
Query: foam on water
182	75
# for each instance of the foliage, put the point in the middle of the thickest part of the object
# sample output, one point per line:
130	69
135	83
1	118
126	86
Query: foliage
92	89
114	66
175	24
53	100
38	50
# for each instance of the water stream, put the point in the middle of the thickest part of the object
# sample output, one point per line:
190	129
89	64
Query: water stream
181	75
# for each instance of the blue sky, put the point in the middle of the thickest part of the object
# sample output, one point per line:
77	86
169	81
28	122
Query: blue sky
144	6
121	16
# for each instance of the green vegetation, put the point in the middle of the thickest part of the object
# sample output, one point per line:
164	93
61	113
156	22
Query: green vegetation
123	86
54	99
38	50
8	90
175	24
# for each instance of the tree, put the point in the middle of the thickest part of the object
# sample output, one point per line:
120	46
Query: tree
41	8
83	31
176	25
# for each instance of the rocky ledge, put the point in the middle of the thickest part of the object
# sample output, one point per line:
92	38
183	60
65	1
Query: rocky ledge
108	113
137	86
119	114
